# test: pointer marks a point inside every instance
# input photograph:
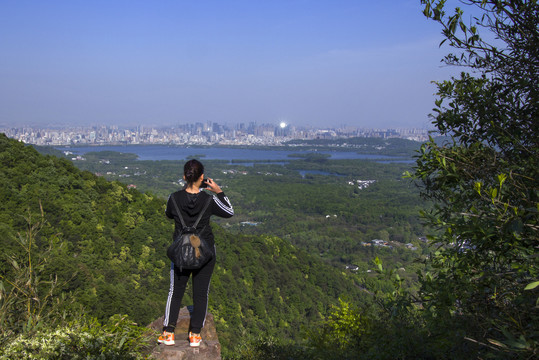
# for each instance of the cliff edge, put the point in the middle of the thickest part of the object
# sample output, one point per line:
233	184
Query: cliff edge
209	349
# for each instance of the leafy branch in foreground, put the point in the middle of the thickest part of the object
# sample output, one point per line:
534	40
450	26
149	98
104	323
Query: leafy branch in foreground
27	298
485	182
36	321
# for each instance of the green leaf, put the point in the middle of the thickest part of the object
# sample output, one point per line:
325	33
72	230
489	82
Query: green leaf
462	26
378	263
501	179
532	285
497	343
477	187
14	264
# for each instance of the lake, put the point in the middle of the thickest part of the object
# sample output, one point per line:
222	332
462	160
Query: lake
164	152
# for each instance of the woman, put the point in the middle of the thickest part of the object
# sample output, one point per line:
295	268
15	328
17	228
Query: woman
191	201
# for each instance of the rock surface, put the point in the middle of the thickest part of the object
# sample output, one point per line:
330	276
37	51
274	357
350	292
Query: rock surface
209	349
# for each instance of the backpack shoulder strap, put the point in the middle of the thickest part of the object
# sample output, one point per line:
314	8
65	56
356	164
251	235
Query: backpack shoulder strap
203	211
177	210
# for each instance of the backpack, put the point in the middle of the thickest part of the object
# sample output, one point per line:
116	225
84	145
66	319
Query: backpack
189	251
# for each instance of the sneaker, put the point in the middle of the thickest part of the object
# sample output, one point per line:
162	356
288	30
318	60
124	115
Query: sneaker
194	339
166	338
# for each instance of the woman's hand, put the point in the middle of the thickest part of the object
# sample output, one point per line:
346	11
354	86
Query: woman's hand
212	186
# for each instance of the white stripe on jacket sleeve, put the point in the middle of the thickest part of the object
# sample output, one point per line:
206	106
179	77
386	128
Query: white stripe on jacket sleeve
225	207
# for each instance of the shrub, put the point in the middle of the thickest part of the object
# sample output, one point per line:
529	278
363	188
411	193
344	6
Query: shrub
118	339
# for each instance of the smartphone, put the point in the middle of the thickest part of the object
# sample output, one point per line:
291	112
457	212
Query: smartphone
204	183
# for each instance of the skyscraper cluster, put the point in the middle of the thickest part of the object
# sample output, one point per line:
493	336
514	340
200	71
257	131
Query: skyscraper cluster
197	134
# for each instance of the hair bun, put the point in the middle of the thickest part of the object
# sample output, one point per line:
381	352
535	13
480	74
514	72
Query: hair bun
193	170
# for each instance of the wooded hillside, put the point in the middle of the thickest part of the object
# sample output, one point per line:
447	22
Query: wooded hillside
109	248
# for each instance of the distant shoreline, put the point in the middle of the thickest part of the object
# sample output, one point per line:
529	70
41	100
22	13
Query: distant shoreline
234	154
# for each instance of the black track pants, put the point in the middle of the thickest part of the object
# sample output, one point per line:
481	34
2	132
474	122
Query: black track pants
201	289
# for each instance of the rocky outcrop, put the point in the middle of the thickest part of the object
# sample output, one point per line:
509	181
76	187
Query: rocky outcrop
209	349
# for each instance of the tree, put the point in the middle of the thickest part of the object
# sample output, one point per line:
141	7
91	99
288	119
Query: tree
484	181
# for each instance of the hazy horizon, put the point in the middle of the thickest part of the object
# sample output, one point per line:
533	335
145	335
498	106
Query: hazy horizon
309	63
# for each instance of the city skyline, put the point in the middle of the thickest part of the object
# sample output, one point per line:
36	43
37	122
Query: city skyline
199	134
319	63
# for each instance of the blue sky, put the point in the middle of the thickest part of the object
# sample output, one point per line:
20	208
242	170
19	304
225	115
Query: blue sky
329	63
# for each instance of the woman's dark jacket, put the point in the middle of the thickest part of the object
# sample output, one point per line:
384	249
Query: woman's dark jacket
191	205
